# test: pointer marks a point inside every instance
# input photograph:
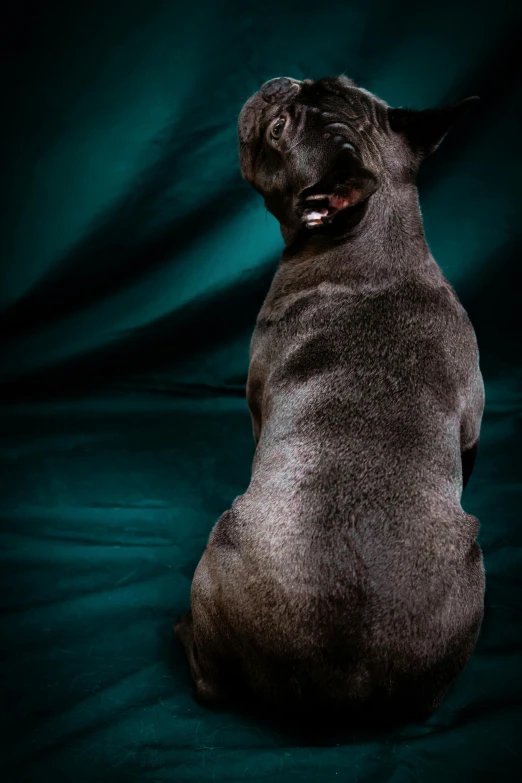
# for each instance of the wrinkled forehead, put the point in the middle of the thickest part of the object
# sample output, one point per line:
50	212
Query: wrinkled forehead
338	96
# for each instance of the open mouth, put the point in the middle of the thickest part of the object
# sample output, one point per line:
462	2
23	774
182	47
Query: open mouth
321	208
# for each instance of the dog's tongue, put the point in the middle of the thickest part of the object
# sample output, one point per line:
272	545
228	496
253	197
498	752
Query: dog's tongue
339	202
332	203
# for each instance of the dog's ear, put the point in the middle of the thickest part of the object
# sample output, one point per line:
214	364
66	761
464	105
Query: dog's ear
426	129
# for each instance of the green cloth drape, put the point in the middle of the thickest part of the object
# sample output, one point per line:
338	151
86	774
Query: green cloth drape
134	260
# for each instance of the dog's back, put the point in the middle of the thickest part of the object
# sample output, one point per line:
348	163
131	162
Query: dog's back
348	570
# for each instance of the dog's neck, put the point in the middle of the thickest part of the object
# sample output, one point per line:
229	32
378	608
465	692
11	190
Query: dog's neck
385	238
386	246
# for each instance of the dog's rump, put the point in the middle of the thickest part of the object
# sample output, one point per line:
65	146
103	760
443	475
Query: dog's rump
333	633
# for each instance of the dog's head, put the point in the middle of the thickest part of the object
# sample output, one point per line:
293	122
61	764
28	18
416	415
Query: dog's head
318	149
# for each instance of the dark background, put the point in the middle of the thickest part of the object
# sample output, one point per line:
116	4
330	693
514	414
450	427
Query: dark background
134	260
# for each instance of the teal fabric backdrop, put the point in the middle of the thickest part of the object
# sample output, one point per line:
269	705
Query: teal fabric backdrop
134	260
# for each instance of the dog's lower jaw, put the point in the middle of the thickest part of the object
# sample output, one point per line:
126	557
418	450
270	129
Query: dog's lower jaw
329	206
339	225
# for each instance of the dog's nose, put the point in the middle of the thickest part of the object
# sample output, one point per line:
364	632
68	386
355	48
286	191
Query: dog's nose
277	88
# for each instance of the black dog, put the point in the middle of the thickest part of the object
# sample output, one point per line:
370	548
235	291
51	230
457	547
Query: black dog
347	576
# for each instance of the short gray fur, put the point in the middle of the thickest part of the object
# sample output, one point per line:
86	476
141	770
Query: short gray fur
348	576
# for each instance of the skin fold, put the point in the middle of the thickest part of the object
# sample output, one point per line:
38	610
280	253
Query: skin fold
347	577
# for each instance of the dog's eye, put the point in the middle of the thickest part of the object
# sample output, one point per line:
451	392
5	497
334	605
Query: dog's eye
277	127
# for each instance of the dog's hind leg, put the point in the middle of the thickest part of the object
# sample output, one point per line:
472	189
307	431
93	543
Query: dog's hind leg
203	632
206	692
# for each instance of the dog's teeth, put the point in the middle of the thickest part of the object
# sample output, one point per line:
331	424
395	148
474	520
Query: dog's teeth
317	197
315	216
